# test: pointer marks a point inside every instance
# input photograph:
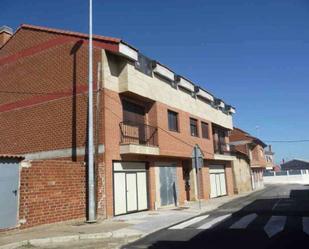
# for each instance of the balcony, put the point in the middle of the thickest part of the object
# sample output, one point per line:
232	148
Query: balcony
222	152
222	149
136	138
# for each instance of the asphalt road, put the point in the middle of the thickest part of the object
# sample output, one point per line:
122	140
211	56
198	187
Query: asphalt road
276	217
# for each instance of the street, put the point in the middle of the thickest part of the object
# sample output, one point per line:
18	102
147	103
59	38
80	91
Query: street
276	217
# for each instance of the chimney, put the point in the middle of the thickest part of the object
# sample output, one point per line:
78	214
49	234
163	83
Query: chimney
269	148
5	34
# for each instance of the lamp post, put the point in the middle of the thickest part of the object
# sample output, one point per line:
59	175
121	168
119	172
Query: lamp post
91	179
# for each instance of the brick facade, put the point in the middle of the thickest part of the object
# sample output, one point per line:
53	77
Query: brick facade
44	108
51	191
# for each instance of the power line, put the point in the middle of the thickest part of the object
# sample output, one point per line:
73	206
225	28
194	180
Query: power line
287	141
95	91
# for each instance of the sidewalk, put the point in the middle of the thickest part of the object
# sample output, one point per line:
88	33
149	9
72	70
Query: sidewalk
128	227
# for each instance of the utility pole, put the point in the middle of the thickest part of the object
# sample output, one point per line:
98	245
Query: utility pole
91	179
197	168
196	162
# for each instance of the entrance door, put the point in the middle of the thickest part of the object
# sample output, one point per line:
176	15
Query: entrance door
9	179
130	187
131	192
222	184
213	186
168	185
217	181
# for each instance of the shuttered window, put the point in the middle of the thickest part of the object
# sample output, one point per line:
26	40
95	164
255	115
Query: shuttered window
172	120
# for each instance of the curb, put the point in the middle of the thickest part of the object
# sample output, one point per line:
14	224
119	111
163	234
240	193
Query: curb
129	235
125	233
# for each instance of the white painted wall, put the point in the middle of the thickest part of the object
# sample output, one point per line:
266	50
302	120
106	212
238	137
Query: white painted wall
153	88
298	179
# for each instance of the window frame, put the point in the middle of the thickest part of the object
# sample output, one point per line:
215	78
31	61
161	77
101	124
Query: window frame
197	127
207	124
168	120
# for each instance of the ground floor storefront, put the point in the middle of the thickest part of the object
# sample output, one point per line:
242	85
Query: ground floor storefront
144	185
139	185
48	191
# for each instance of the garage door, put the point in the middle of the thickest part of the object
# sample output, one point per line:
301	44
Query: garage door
217	181
130	187
257	178
9	180
168	184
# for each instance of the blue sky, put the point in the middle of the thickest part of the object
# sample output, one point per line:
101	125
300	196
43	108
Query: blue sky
252	53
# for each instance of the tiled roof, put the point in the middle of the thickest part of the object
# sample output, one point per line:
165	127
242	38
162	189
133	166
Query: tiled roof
65	32
240	135
10	156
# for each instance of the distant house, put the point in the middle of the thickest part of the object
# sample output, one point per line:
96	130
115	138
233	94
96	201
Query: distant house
250	160
269	155
295	164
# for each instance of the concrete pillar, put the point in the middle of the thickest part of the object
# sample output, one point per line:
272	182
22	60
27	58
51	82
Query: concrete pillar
204	176
193	185
152	186
181	184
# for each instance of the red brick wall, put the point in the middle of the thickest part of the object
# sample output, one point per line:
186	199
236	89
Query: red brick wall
181	184
44	105
204	183
52	191
23	40
152	185
181	143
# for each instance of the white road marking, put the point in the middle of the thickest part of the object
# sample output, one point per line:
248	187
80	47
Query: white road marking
213	222
306	225
276	204
275	225
189	222
243	222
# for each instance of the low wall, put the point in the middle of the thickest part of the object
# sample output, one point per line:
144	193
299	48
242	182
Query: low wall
298	177
52	191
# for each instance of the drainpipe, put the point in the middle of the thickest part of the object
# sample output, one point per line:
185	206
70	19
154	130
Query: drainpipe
97	130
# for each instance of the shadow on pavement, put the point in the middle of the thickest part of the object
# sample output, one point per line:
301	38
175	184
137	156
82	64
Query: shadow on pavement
293	208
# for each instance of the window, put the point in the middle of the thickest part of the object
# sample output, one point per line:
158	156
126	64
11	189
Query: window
144	64
219	139
172	120
193	127
205	133
133	113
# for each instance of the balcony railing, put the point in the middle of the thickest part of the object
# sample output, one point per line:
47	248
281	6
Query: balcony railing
223	149
135	133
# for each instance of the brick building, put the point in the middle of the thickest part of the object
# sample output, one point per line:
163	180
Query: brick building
147	121
250	161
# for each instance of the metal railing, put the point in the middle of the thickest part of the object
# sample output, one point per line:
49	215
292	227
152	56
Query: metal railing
136	133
